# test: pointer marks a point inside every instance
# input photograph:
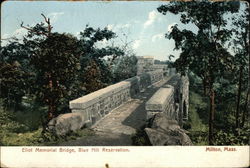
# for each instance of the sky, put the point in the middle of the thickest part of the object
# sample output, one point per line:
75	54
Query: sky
143	25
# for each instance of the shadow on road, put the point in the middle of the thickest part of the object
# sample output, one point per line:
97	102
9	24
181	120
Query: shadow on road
138	117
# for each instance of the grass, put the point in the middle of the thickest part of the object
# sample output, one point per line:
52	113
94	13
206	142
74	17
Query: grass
24	128
22	139
198	119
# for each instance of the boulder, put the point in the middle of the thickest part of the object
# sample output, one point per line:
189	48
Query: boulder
160	121
66	123
162	131
161	138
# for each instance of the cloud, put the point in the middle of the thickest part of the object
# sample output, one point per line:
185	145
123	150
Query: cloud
157	37
110	27
102	43
136	44
16	35
170	27
152	17
5	36
118	27
54	16
20	32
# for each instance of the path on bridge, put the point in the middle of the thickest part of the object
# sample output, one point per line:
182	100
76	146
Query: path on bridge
116	128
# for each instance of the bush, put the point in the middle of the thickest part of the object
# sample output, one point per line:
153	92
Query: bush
239	137
22	139
199	137
141	138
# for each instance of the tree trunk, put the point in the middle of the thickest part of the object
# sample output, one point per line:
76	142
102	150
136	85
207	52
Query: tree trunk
211	116
245	109
51	101
51	112
237	123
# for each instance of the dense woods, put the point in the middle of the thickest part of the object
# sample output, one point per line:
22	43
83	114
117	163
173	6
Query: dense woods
218	58
40	74
48	69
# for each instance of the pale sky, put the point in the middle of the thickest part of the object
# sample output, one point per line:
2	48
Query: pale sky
143	24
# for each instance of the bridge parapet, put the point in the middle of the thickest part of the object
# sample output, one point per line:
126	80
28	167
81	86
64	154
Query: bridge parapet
171	99
161	102
96	105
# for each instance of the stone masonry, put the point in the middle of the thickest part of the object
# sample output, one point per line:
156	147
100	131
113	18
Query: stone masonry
96	105
171	99
161	102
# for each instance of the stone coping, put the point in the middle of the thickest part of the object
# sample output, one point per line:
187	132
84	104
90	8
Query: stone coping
92	98
159	99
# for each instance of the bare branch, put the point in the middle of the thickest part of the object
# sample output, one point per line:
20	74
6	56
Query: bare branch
44	18
47	20
31	30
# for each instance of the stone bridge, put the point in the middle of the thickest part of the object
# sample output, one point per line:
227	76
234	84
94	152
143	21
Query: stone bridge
117	111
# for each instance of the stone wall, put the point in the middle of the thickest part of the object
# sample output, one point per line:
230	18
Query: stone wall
161	102
96	105
184	84
171	99
144	64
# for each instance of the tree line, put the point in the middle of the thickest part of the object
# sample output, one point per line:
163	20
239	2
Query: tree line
218	54
53	68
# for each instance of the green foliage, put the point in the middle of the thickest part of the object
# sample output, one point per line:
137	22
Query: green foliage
240	137
225	133
199	108
23	131
52	139
43	73
56	64
199	137
125	67
12	84
202	53
10	128
31	115
102	56
92	77
198	118
22	139
140	138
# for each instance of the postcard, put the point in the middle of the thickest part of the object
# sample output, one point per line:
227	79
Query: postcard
124	84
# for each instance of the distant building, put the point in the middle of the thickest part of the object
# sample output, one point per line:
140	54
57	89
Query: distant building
146	64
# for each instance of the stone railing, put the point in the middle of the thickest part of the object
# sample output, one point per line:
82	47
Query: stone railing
90	108
161	102
171	99
96	105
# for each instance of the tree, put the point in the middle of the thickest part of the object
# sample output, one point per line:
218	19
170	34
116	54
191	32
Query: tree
14	74
203	53
125	67
11	85
92	76
55	58
242	65
100	58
